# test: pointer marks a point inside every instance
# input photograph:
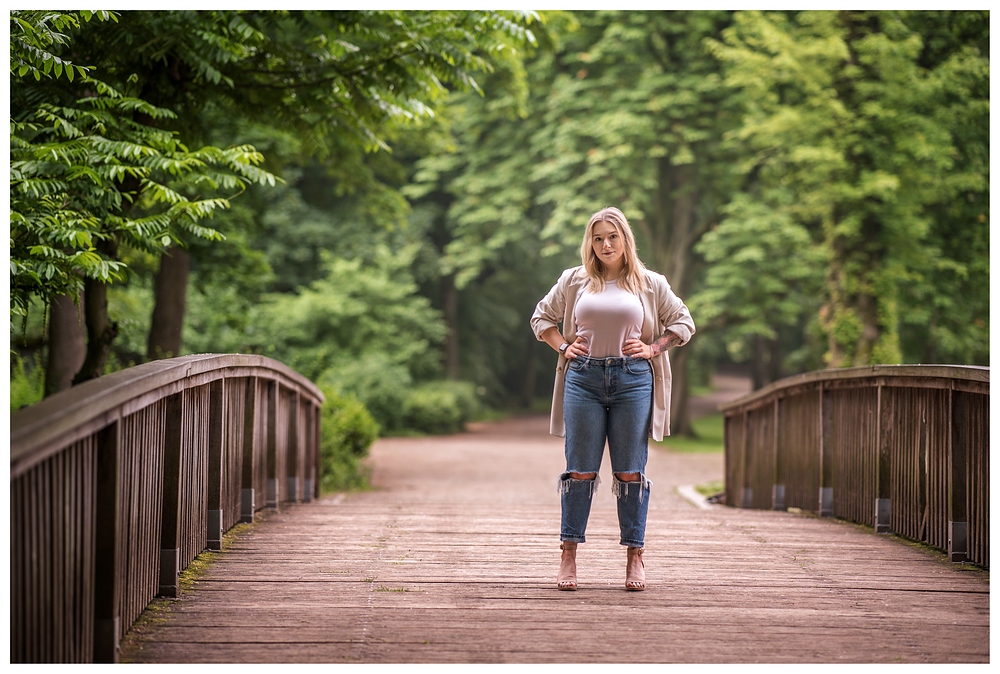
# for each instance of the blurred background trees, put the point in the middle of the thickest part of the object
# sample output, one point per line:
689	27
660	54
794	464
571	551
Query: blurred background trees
380	198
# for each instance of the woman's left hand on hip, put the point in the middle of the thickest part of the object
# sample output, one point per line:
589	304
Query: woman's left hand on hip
635	348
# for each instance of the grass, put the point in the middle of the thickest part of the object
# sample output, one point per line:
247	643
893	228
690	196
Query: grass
710	488
710	437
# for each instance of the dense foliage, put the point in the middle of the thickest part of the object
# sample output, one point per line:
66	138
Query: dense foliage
347	430
91	171
814	183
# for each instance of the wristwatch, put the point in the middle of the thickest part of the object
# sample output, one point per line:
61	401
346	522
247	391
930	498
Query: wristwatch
563	347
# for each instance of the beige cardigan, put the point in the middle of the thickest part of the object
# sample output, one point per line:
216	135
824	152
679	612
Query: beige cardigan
663	311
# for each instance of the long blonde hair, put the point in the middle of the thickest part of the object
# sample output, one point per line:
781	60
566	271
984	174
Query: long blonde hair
633	276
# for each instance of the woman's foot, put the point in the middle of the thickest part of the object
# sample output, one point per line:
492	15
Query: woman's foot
635	571
567	567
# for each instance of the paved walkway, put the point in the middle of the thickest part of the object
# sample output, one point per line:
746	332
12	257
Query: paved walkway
453	557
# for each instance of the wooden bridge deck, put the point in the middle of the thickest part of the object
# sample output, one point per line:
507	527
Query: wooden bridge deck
453	559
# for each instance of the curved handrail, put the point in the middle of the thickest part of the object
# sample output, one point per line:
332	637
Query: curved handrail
969	373
902	448
64	418
117	484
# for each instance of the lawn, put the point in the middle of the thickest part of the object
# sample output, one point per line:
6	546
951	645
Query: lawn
710	437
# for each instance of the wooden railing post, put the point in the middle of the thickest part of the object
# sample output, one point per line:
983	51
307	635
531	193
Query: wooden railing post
746	496
826	454
958	527
922	460
170	537
883	475
317	449
778	490
308	451
107	534
247	503
272	497
216	459
292	450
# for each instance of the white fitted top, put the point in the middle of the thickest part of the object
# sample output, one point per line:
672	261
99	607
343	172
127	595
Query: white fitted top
606	319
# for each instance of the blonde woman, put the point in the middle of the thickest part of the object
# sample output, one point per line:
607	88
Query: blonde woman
612	381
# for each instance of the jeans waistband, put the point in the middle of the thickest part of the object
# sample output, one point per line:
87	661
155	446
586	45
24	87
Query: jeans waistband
612	361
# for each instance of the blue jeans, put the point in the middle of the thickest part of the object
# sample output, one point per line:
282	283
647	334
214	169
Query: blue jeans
606	400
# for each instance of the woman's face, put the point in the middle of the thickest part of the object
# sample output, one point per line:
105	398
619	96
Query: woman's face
608	245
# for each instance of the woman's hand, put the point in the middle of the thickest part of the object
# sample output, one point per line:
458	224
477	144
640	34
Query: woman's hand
635	348
577	348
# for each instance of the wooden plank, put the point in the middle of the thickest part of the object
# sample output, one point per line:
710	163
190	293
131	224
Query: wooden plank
452	558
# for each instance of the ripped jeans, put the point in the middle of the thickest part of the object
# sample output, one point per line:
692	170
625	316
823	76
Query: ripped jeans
606	400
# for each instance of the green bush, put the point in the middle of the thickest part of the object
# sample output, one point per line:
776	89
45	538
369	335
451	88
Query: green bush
378	383
440	407
347	431
27	384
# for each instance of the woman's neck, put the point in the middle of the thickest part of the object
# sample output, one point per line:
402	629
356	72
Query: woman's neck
615	273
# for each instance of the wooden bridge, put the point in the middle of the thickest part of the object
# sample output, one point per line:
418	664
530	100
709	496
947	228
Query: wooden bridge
452	557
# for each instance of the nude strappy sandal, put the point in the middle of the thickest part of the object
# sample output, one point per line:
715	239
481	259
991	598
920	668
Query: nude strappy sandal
635	579
566	580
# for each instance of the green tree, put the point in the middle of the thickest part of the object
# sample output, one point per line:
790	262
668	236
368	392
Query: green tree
341	81
626	109
91	174
848	132
763	280
354	310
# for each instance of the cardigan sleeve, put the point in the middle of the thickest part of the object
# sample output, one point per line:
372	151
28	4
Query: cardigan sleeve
673	313
550	310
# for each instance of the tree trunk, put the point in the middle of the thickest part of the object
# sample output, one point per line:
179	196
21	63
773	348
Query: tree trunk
866	306
66	346
170	302
449	298
758	365
774	358
530	372
100	331
680	416
861	316
671	235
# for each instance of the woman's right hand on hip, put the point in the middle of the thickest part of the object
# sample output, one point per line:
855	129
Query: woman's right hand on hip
577	348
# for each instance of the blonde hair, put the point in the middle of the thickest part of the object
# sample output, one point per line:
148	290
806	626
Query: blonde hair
633	276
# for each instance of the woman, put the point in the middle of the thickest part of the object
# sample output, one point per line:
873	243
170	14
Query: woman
612	380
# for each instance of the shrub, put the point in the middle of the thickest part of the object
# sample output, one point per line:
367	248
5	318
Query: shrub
347	431
379	384
27	384
440	407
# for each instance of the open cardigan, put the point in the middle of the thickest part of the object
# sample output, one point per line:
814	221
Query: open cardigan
662	311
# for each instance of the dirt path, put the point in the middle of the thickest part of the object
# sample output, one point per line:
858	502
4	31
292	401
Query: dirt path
452	558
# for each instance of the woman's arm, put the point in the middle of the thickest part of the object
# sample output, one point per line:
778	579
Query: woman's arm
636	348
554	338
675	319
675	323
549	310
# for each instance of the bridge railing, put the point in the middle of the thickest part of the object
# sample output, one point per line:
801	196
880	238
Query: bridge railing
901	448
119	483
